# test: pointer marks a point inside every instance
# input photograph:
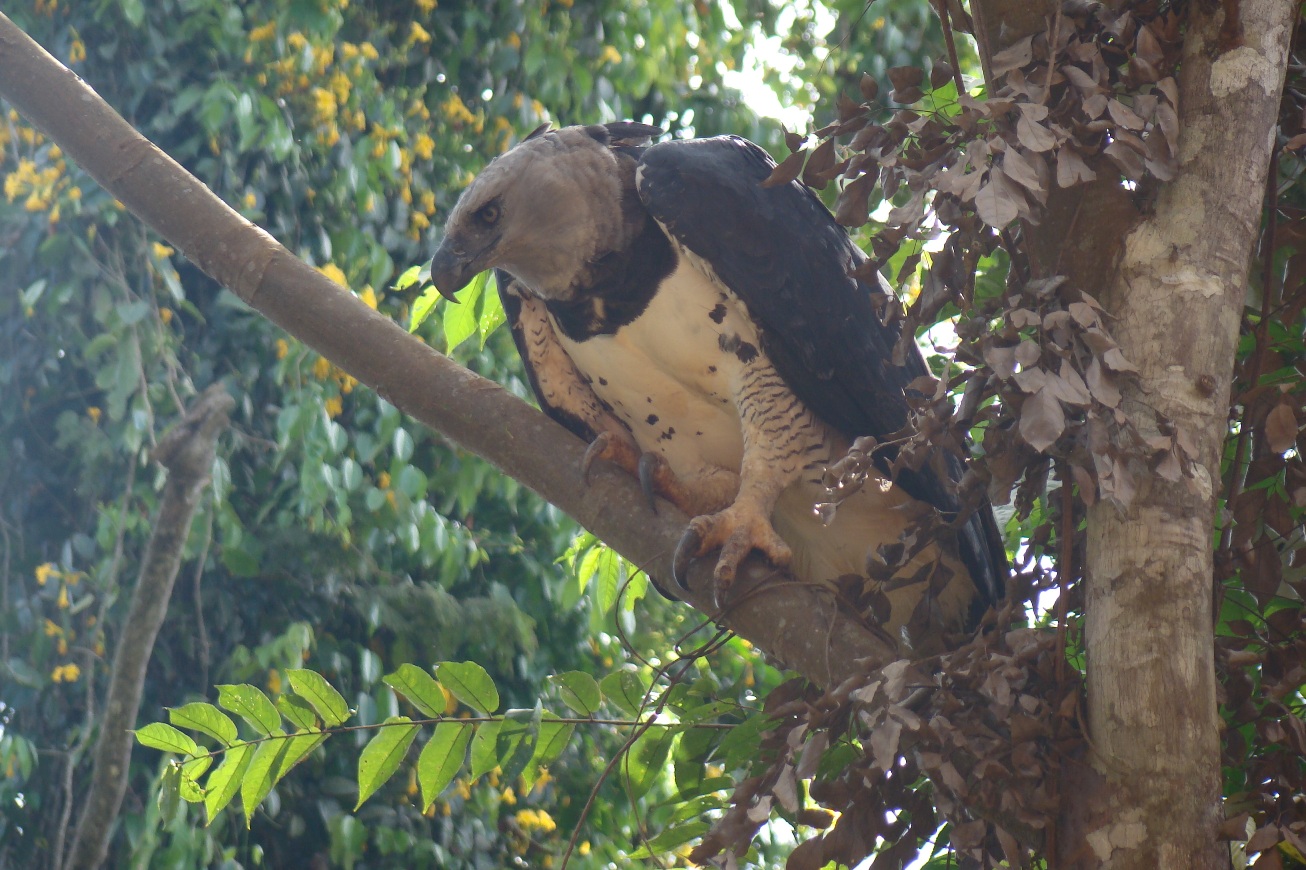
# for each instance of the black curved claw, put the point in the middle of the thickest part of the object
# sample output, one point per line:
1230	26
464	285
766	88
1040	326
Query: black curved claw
592	452
648	464
686	551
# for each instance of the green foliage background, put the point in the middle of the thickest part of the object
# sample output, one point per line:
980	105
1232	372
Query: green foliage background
338	536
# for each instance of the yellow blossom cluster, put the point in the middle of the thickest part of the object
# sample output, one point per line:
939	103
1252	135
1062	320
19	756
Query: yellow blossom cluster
456	111
40	187
535	820
66	673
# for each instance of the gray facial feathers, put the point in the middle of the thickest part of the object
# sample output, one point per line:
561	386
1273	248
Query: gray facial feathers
546	211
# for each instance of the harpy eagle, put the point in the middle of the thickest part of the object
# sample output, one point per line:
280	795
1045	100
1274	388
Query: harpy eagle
704	333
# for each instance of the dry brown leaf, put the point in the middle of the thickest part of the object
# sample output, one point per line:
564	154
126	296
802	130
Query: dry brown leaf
1115	360
869	87
1071	168
787	171
1031	380
1020	169
1002	360
1033	135
999	202
1129	161
1123	115
884	743
1080	79
1095	105
1281	427
1041	420
1011	58
1027	353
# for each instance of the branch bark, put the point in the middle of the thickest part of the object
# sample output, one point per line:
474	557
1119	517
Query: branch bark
187	451
795	623
1178	293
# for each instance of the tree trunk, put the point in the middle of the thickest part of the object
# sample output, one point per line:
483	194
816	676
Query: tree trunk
1177	295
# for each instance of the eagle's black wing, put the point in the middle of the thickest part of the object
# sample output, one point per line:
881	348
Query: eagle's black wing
780	251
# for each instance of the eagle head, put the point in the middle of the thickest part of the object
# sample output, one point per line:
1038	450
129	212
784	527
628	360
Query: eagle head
544	211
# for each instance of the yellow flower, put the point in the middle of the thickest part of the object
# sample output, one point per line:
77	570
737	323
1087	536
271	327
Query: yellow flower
76	51
283	348
332	271
66	673
274	681
456	110
347	382
508	797
417	33
369	297
62	646
296	41
514	40
325	106
333	406
321	368
541	781
369	50
94	413
251	199
52	630
63	598
46	571
426	5
609	55
36	202
161	251
424	146
419	220
263	32
535	820
427	202
462	788
450	702
383	482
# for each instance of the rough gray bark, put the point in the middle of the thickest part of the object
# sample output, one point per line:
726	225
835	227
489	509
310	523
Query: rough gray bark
798	625
1177	296
187	451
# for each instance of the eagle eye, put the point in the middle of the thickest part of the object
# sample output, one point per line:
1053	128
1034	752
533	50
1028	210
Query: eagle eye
488	214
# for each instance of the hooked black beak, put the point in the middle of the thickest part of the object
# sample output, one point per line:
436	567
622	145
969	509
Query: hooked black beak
451	271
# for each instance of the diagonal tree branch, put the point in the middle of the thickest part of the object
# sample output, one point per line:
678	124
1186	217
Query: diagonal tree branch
187	452
795	623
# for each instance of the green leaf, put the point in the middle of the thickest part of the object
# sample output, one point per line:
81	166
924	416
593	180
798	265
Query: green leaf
407	278
159	735
460	319
298	748
515	742
225	781
250	704
191	771
579	691
169	797
670	839
419	687
469	683
609	573
260	776
422	308
552	740
205	718
647	759
441	759
627	690
314	688
491	315
381	756
298	711
484	755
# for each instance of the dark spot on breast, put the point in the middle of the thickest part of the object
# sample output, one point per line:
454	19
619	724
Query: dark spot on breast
648	399
698	433
667	435
651	419
746	352
711	370
727	342
717	314
603	382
